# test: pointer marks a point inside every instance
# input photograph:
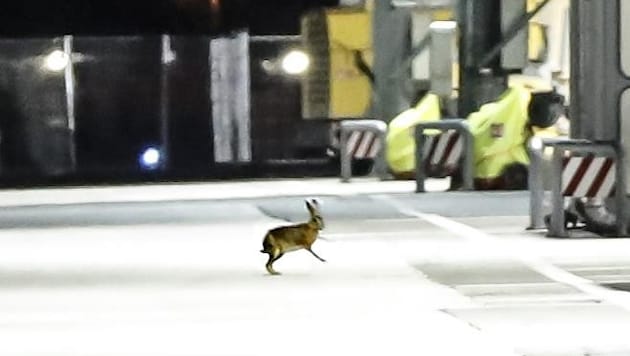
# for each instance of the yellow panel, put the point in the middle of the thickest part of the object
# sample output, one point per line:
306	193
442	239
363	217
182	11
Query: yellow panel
442	14
350	90
537	44
532	4
350	29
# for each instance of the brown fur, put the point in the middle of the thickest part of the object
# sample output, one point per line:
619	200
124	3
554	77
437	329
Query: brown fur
285	239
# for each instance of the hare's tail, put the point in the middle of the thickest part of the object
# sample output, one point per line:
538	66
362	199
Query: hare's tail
267	245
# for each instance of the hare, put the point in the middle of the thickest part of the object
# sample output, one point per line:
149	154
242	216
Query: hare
284	239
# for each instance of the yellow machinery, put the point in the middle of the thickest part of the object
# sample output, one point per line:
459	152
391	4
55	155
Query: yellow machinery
400	142
500	130
340	43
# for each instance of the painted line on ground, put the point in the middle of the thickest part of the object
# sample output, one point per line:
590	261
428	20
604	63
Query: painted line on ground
619	298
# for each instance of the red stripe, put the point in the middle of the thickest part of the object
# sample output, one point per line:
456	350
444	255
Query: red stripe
368	151
579	174
449	147
374	149
353	150
599	179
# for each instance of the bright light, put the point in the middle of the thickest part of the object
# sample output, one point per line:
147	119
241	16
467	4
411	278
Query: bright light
536	143
150	158
443	25
56	61
295	62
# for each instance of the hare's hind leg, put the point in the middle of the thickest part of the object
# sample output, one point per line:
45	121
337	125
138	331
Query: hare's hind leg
274	255
314	254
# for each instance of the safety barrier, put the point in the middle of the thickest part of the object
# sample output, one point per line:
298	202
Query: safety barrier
579	169
445	153
363	144
360	139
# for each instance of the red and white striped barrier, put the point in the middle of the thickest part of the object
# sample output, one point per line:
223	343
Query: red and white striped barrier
588	176
442	152
363	144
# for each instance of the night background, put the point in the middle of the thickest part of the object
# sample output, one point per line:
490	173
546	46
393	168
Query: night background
125	100
31	17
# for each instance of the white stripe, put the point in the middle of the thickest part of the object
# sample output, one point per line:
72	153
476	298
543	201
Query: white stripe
427	146
441	147
352	141
376	146
589	177
569	171
602	277
546	269
598	268
506	285
364	145
456	152
609	183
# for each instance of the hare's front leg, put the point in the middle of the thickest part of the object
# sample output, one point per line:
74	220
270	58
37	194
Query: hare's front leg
314	254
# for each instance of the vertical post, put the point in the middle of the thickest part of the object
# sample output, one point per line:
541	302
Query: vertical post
70	98
166	58
620	196
230	97
380	162
241	97
390	31
420	173
344	155
468	159
557	228
480	30
536	184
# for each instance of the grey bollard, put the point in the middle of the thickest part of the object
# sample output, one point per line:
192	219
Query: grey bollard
379	128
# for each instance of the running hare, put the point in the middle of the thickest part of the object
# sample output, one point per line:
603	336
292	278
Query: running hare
284	239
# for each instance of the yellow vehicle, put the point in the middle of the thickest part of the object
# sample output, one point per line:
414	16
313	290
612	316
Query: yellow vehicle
500	129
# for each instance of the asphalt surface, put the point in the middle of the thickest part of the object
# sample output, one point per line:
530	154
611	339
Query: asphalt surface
447	273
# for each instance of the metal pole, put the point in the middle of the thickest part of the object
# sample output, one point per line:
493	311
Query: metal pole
557	228
478	22
510	34
468	159
70	98
620	196
344	155
536	185
166	59
381	158
420	173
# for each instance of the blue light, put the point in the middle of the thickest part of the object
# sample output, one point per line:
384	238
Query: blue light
150	158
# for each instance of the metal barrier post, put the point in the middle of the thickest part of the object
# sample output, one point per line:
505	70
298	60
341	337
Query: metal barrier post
380	161
582	147
620	193
420	174
344	155
459	125
557	226
535	184
468	169
379	128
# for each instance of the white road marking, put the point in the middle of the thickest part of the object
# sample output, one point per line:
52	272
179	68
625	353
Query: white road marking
598	268
547	269
506	285
202	290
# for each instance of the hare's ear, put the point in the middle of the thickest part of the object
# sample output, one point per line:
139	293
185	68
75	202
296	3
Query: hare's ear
312	205
309	205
